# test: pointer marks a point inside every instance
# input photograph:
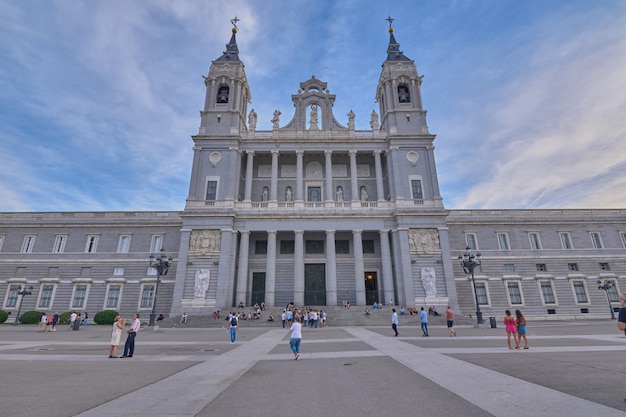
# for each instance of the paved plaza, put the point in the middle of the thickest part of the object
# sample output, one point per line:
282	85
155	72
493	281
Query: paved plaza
573	369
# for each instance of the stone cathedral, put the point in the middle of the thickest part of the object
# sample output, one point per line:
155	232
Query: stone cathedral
316	213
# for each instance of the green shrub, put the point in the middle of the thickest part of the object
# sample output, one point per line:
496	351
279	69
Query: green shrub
3	316
30	317
64	318
105	317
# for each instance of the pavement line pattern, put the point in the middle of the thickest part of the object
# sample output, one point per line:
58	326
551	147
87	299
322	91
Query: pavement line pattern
508	396
188	392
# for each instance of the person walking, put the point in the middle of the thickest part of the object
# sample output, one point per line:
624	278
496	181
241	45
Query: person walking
424	319
296	337
129	346
511	329
233	324
394	322
621	317
450	321
520	320
116	334
283	317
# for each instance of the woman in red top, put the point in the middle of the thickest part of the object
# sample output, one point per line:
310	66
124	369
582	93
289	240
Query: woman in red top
511	329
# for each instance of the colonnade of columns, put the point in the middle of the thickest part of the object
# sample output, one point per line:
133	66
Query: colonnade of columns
299	192
242	281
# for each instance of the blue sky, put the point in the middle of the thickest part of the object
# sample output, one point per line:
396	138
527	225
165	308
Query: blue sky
99	99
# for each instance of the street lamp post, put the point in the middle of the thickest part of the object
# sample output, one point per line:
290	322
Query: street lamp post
25	291
469	262
161	264
606	286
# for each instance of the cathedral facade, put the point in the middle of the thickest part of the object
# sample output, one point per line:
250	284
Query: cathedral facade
315	212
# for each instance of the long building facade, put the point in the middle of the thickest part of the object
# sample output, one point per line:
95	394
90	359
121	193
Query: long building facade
314	212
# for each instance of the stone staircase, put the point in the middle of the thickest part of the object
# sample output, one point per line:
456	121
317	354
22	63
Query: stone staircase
336	316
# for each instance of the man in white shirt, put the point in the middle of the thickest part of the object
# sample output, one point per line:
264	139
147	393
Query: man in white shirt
73	319
394	322
129	346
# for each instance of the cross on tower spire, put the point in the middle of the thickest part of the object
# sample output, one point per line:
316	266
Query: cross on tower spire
234	21
390	20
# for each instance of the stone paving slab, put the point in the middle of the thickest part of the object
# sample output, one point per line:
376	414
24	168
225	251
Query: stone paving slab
573	369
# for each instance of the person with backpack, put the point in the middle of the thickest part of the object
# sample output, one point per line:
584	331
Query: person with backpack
233	323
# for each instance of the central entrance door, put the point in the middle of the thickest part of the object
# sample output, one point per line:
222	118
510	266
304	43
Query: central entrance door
371	288
315	284
258	288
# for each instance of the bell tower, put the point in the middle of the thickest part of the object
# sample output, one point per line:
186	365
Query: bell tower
398	93
227	93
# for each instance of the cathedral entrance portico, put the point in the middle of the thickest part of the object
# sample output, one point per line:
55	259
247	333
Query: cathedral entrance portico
315	284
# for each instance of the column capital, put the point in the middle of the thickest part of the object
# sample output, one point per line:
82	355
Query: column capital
271	232
244	232
250	152
378	152
326	153
357	232
352	151
275	152
299	232
299	152
384	231
329	232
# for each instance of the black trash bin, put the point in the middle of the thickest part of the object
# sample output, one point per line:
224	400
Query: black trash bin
493	323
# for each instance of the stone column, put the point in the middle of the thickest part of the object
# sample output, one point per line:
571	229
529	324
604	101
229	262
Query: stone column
380	191
242	276
270	269
223	271
329	175
249	171
354	182
331	269
274	179
181	272
298	268
299	171
403	253
359	271
385	254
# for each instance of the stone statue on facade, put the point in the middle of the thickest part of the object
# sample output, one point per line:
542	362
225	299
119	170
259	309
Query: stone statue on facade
429	281
265	194
288	194
339	193
201	283
363	193
374	120
351	117
313	123
276	119
252	120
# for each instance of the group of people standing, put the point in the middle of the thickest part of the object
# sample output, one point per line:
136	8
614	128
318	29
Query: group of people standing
515	328
424	321
129	347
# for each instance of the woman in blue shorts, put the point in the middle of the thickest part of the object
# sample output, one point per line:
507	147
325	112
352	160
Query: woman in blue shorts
521	327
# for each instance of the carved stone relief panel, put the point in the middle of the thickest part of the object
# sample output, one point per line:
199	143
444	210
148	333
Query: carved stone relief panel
205	241
424	241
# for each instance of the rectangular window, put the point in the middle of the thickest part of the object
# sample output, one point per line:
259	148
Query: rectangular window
80	295
515	295
470	239
612	293
118	272
147	295
314	247
342	247
113	295
581	293
2	241
156	244
211	191
547	292
481	293
596	239
541	267
260	247
29	242
13	296
566	240
605	266
503	241
535	242
92	243
59	243
368	246
287	247
416	190
509	267
46	296
623	234
123	244
572	267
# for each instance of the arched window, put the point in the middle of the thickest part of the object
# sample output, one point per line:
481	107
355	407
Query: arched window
222	94
403	94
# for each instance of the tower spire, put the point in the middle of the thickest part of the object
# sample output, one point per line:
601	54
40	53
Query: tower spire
232	51
393	50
